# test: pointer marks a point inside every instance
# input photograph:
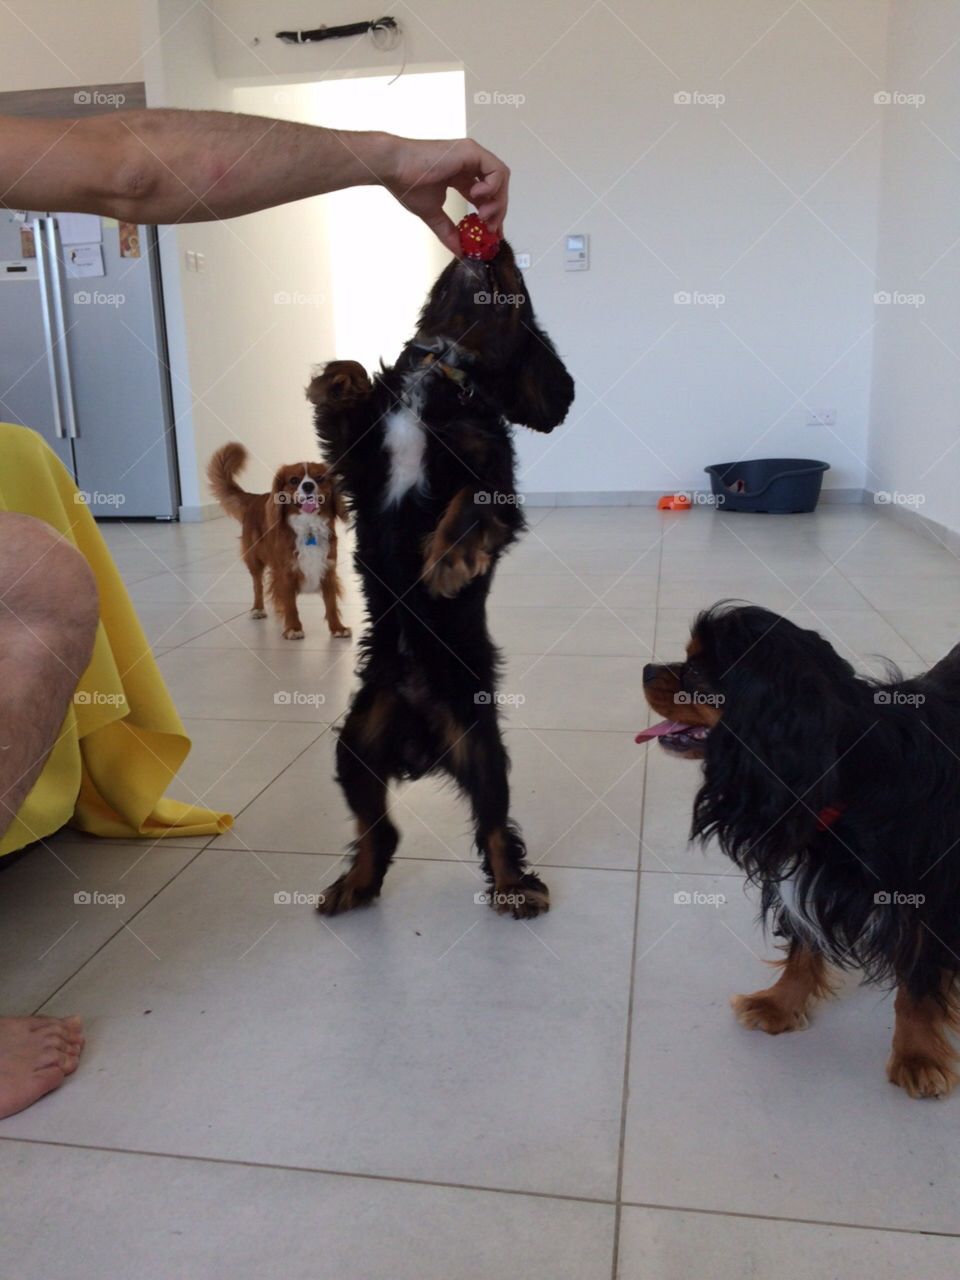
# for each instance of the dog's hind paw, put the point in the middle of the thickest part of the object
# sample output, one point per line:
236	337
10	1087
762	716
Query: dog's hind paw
764	1012
921	1077
258	613
341	633
524	898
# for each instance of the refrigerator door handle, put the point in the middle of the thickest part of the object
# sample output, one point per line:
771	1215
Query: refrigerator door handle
60	328
43	274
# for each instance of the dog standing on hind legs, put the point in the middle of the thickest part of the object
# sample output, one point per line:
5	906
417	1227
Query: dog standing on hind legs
425	456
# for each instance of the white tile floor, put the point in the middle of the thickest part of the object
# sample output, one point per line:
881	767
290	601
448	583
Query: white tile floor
425	1089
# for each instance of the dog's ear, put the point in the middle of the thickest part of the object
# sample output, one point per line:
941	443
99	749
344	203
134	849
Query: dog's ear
770	766
337	497
275	504
539	391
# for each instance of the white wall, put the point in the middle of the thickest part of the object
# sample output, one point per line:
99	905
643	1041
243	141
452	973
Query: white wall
47	44
915	438
380	260
770	199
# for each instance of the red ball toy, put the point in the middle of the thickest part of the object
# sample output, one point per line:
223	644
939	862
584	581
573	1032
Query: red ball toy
476	239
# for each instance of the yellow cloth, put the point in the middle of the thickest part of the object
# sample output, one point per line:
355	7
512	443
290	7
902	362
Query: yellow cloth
122	740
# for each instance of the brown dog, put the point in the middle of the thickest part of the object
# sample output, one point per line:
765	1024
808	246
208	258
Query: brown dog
289	533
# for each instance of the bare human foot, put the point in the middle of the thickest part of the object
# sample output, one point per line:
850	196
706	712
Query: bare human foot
36	1055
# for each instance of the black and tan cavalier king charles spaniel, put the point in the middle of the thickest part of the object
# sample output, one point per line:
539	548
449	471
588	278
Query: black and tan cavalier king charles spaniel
424	453
840	797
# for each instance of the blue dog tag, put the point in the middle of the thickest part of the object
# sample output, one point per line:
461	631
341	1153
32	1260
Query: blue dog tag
311	540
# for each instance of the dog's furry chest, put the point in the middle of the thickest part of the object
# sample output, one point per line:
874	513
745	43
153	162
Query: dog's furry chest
405	445
311	547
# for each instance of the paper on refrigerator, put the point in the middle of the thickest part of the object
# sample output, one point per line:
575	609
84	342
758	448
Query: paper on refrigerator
83	260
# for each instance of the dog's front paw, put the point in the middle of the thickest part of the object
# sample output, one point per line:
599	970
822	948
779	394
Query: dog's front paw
921	1076
762	1011
341	633
523	898
293	633
447	570
342	382
258	613
345	894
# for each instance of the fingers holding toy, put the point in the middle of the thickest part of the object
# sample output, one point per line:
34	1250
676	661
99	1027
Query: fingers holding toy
420	173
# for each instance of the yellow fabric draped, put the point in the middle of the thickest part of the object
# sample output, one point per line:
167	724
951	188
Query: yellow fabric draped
122	740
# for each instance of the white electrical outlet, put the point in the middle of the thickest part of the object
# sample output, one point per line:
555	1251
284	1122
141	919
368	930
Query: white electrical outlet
523	261
822	418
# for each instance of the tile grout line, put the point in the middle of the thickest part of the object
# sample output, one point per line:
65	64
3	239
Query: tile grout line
176	876
440	1184
625	1088
106	942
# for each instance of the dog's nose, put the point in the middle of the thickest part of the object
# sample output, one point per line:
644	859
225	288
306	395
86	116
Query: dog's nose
650	673
307	486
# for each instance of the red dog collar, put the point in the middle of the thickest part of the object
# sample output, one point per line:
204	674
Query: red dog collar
828	816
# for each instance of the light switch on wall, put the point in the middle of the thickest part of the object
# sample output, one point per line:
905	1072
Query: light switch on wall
577	253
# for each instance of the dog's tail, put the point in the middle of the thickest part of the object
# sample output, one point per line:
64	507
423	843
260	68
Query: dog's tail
221	469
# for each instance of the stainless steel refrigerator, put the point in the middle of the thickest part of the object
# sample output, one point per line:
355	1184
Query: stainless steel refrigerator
83	361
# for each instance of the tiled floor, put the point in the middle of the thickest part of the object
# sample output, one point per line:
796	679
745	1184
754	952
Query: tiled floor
425	1089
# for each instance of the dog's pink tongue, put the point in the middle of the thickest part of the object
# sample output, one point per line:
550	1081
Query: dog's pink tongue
308	506
659	730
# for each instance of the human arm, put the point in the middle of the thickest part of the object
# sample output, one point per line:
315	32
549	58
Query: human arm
166	166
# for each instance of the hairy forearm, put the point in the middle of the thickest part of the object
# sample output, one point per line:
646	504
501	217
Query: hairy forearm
163	167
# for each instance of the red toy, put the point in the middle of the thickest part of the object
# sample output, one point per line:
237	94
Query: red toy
674	502
476	239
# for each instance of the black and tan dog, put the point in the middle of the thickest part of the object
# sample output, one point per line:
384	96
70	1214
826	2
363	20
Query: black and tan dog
425	456
840	797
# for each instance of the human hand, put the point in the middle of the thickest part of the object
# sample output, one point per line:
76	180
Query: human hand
419	173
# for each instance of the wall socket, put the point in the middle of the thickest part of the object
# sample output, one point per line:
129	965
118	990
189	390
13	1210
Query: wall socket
822	418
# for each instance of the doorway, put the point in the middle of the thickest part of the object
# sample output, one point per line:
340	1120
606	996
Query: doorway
360	259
